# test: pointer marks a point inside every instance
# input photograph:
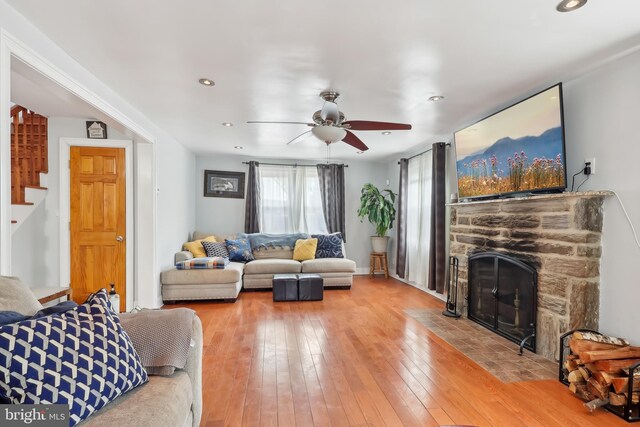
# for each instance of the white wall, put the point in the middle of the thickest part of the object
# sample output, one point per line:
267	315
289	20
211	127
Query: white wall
36	244
226	216
602	111
175	215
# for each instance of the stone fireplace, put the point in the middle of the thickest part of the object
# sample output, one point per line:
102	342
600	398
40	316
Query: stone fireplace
559	235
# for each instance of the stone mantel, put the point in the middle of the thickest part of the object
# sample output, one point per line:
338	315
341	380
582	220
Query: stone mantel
558	234
537	197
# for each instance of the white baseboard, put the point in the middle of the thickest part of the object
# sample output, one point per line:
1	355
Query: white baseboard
426	291
362	272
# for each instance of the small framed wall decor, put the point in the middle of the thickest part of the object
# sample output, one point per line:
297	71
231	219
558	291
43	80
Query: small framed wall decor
96	130
224	184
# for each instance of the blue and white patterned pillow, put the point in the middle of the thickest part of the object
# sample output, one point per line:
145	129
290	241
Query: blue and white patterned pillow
329	245
239	250
81	357
215	249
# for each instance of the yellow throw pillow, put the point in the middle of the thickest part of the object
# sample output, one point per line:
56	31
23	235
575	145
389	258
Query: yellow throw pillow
305	249
196	248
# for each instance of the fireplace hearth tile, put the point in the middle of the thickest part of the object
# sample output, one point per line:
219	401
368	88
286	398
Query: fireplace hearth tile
490	351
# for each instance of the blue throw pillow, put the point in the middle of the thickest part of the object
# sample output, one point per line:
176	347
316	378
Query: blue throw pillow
82	358
8	317
329	245
239	250
59	308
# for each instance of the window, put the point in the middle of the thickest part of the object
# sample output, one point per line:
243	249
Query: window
290	200
419	219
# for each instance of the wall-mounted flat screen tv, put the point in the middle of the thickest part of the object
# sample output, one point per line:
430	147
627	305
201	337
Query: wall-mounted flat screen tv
517	150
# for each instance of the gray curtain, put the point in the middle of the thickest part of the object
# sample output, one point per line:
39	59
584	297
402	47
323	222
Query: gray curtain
437	255
252	203
331	178
401	252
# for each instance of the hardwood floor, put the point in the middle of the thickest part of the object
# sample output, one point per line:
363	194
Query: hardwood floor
357	359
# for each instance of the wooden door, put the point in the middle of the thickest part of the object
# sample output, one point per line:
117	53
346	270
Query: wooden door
98	221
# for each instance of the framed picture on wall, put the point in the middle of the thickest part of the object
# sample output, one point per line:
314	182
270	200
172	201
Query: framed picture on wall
96	130
224	184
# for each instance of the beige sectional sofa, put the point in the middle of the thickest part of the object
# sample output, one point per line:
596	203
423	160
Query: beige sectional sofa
174	400
227	283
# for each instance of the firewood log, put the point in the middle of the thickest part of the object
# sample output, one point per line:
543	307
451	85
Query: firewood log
617	399
591	367
599	338
603	378
595	404
575	387
580	390
619	353
614	366
620	384
584	372
598	389
579	346
575	377
570	365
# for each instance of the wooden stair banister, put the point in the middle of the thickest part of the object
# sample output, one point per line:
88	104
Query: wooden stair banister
29	151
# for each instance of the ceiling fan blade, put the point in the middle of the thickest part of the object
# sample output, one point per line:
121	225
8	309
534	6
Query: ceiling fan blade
296	139
369	125
354	141
281	123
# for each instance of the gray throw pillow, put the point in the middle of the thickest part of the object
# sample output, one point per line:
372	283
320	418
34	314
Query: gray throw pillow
215	249
16	296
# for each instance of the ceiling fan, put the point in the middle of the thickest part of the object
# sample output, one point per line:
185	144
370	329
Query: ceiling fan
329	124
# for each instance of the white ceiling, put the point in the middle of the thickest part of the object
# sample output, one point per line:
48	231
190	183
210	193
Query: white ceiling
270	60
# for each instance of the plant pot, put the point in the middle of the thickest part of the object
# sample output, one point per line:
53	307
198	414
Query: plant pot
379	244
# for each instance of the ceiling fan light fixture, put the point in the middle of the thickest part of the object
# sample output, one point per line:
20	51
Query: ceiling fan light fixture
436	98
329	133
570	5
206	82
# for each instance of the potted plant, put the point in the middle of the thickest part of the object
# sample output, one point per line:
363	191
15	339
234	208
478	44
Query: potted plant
379	209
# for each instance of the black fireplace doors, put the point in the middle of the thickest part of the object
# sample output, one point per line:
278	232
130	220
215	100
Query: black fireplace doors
503	296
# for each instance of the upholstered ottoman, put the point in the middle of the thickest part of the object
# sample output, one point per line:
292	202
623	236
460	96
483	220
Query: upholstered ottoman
285	287
310	287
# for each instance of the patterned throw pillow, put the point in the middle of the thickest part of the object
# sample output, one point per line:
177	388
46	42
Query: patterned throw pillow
215	249
196	248
305	249
82	358
239	250
329	245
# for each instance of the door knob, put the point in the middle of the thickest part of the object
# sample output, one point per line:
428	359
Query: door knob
119	238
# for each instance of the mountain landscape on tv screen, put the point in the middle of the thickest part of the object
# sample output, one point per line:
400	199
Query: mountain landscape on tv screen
512	165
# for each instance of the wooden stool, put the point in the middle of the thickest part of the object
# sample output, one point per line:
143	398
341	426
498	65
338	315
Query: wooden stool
378	264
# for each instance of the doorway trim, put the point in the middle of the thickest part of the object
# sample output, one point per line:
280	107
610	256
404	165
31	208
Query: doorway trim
65	210
147	279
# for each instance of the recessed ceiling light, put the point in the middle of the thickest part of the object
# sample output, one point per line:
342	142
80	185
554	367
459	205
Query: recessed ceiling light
227	124
436	98
570	5
386	132
359	152
207	82
238	147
